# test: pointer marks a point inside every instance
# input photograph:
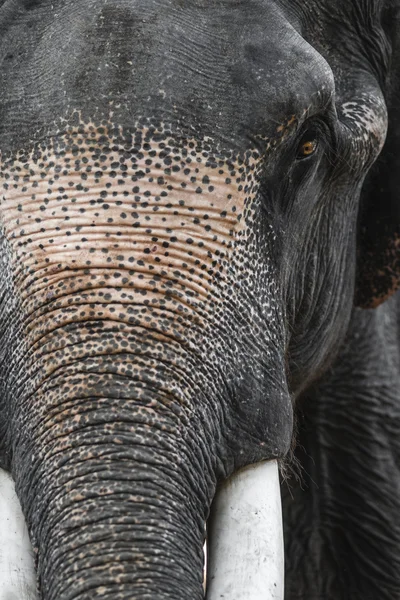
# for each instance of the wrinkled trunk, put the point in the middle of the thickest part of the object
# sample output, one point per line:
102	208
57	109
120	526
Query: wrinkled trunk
116	506
244	541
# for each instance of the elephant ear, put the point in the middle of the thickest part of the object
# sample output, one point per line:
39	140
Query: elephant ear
378	259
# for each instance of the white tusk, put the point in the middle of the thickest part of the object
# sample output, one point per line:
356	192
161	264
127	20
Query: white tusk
245	537
17	573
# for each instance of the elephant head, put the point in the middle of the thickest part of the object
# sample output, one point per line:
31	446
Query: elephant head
179	214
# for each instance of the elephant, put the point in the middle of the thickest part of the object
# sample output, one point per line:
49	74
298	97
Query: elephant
199	245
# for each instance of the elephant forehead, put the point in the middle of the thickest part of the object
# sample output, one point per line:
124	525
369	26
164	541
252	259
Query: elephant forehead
231	71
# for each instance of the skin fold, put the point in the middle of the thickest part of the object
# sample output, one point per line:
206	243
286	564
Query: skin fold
194	196
341	531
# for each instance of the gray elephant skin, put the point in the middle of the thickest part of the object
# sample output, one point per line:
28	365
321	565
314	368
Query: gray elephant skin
199	229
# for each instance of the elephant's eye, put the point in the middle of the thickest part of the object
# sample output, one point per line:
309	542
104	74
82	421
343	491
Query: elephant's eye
307	146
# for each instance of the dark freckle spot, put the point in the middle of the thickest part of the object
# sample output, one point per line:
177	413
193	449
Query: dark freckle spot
103	194
198	190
